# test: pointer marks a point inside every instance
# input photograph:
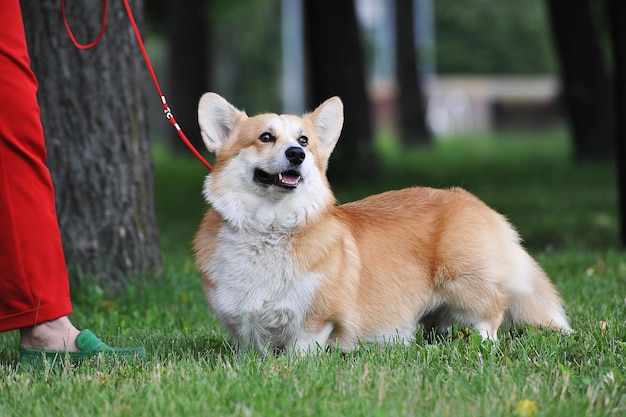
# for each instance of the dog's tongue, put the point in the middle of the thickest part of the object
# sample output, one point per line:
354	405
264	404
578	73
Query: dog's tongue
288	179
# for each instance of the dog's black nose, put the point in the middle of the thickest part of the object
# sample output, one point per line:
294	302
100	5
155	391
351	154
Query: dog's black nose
295	155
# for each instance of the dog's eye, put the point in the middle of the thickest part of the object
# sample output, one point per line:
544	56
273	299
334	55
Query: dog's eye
303	140
267	137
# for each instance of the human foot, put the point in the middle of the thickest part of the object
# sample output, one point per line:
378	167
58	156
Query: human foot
55	335
88	346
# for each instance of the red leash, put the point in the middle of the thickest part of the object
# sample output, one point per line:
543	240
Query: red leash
166	107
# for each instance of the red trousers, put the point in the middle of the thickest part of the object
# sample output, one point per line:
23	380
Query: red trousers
34	283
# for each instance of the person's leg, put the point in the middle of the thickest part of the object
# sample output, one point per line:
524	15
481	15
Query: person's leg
34	287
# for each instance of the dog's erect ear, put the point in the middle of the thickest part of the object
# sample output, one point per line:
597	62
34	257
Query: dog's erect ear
217	118
328	119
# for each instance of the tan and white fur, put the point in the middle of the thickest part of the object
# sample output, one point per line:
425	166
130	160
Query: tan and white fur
285	268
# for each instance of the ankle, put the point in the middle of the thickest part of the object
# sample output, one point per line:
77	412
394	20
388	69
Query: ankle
59	334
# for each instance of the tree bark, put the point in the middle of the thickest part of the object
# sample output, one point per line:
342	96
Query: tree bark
336	68
93	109
585	79
188	64
617	17
410	97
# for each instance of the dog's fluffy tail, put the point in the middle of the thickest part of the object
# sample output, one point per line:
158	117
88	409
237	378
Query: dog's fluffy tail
542	307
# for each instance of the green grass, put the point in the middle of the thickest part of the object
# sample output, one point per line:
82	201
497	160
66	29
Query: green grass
565	212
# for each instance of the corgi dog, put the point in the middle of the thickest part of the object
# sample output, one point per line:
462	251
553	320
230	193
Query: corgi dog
285	268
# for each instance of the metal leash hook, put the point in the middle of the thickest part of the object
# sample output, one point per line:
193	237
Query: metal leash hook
166	108
168	113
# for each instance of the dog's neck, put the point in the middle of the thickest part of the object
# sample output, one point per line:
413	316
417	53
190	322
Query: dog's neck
251	213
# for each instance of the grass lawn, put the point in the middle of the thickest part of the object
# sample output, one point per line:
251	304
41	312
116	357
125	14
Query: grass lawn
566	214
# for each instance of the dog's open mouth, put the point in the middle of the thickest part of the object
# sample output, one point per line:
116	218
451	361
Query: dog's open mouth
287	179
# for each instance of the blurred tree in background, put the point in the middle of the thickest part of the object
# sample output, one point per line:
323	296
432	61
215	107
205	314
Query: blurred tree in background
617	17
336	67
585	77
189	70
93	109
411	101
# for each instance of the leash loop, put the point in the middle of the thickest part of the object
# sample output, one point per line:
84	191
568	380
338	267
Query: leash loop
166	108
71	34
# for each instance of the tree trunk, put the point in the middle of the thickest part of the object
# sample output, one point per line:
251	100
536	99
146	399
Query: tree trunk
336	68
585	78
410	97
188	64
93	109
617	17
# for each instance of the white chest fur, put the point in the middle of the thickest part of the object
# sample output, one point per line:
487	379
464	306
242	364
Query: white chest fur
257	292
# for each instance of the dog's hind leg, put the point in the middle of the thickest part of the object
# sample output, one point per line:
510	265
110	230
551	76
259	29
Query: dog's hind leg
488	328
477	301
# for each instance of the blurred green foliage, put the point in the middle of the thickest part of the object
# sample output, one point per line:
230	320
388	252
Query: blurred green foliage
492	37
246	40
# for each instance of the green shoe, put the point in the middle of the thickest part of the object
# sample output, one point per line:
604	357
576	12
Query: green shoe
89	346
